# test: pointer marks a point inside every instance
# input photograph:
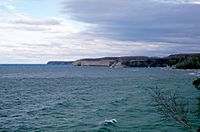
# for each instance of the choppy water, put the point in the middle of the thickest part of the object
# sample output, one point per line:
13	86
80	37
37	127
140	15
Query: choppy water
67	98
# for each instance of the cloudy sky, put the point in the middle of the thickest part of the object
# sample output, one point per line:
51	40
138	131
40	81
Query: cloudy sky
36	31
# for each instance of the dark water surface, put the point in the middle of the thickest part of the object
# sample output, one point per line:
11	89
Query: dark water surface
67	98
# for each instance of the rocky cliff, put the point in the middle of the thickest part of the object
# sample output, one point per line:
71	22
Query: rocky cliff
182	61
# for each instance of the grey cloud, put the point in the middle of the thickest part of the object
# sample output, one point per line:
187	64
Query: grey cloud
27	24
179	1
25	28
145	20
38	22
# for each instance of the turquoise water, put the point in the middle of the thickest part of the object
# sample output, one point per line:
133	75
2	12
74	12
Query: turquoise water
68	98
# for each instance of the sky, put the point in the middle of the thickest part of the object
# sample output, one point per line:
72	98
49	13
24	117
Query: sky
37	31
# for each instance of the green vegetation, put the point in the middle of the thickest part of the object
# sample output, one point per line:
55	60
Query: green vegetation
196	83
192	63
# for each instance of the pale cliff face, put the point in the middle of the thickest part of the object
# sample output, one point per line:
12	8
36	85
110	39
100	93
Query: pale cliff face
94	63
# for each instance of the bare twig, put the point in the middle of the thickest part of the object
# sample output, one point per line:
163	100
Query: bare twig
172	106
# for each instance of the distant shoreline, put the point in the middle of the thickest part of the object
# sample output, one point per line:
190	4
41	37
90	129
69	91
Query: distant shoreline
179	61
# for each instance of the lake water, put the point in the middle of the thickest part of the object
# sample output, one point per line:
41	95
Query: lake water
68	98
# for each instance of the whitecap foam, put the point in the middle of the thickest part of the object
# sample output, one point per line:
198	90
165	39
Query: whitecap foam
110	122
192	73
195	73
